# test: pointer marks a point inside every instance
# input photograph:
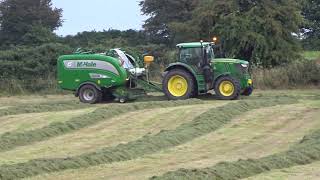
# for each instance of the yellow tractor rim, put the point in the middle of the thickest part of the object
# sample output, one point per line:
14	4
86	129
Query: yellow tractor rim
178	86
226	88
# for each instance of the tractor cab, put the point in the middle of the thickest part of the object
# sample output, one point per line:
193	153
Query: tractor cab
196	55
197	71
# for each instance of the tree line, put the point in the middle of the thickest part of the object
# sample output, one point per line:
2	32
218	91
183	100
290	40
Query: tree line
267	33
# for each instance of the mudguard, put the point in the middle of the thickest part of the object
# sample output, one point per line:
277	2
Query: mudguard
182	66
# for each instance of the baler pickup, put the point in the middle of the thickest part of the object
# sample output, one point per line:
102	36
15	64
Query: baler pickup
148	86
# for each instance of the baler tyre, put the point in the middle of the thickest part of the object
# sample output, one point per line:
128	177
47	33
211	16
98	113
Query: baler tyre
122	100
227	88
178	85
90	94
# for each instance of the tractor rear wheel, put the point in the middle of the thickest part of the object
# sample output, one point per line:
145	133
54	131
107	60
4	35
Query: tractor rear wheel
90	94
227	88
178	85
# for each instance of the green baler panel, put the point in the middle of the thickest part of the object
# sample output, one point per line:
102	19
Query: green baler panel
104	71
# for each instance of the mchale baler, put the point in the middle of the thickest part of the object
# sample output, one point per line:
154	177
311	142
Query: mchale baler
114	74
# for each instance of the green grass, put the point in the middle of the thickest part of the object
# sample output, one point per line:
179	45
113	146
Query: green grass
42	107
202	125
139	140
306	152
121	129
260	132
11	140
310	172
312	55
31	121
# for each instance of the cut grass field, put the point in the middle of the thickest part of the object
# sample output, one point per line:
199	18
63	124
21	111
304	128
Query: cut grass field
153	138
310	172
31	121
122	129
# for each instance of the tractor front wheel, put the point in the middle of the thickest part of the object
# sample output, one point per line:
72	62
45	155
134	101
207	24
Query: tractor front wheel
90	94
178	85
227	88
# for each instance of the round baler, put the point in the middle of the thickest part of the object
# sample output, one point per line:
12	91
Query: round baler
93	77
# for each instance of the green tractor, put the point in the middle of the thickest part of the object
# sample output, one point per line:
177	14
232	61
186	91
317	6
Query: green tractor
197	72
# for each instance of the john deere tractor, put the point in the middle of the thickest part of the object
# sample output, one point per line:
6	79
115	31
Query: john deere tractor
197	71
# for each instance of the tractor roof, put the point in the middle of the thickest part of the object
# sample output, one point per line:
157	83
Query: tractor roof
193	44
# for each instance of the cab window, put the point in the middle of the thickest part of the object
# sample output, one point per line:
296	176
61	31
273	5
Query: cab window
191	55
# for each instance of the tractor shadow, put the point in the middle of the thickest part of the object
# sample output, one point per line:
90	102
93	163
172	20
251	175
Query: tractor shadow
157	98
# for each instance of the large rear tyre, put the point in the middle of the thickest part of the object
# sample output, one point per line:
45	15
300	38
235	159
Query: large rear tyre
90	94
178	85
227	88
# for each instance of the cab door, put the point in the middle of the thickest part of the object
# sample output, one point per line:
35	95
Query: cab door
193	58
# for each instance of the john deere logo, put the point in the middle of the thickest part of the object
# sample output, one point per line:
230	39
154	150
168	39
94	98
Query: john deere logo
86	65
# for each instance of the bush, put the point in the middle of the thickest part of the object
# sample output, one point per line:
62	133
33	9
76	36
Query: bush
28	70
31	63
26	86
295	75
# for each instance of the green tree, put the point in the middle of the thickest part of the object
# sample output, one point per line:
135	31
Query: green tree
19	18
165	15
261	31
311	12
38	35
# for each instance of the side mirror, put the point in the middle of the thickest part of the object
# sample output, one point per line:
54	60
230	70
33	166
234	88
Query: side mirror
148	60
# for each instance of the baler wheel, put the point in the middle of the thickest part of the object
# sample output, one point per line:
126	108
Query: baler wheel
90	94
122	100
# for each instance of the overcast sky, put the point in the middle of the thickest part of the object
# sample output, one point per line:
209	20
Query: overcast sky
87	15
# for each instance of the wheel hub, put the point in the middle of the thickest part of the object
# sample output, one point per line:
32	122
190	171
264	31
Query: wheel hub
178	86
227	88
88	95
